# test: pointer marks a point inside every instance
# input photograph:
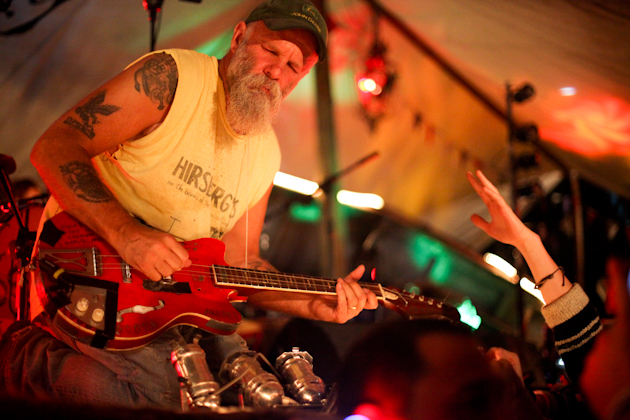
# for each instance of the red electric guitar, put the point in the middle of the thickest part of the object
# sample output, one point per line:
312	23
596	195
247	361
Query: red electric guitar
91	292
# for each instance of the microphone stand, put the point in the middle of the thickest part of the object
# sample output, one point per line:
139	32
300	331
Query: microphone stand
153	7
326	185
23	249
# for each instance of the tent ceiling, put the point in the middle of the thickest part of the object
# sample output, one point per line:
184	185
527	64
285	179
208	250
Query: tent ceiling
434	129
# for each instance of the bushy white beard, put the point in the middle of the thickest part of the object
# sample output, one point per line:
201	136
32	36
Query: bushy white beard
250	109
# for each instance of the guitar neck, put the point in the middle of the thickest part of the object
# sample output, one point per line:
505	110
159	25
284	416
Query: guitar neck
241	278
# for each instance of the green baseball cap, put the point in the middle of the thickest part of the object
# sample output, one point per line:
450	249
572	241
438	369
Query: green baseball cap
293	14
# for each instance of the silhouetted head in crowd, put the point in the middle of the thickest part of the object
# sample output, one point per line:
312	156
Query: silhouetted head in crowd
422	369
25	188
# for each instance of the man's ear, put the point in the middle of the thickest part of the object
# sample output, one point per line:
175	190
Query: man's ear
238	36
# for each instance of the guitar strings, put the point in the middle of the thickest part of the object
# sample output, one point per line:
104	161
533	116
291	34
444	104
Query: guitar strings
255	277
202	269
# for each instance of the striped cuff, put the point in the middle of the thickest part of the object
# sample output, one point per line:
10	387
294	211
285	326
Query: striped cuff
574	320
565	307
578	339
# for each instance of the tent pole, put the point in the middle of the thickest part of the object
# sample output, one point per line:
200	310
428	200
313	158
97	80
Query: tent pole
578	216
519	262
333	221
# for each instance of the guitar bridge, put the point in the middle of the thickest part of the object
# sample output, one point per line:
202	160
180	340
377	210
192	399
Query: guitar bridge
78	261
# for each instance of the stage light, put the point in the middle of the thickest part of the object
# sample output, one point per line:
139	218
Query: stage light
375	81
357	417
527	161
306	213
523	93
501	265
468	314
294	183
527	133
528	286
372	83
567	91
367	411
360	200
366	85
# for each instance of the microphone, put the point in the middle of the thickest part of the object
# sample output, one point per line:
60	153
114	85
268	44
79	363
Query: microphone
153	7
7	163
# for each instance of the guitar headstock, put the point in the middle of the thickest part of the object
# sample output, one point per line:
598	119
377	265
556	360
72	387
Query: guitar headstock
412	306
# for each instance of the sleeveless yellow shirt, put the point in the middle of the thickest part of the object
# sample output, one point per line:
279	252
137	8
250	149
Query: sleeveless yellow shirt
193	176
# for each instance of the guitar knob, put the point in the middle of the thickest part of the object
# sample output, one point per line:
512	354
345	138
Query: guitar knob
98	315
82	305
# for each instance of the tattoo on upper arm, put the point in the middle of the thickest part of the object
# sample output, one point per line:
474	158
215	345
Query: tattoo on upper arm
158	79
84	182
88	114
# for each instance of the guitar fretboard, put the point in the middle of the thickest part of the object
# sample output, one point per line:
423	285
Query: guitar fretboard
268	280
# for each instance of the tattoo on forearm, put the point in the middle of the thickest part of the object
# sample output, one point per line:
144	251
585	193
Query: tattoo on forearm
83	180
158	79
88	114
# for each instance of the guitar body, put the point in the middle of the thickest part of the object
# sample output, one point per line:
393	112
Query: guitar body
70	245
94	296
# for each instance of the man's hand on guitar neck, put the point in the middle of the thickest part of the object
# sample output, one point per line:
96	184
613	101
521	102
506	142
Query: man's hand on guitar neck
351	299
156	254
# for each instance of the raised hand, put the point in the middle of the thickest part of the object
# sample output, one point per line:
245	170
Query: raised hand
505	226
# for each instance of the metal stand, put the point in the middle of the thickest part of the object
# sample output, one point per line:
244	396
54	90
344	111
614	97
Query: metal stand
23	244
522	94
153	7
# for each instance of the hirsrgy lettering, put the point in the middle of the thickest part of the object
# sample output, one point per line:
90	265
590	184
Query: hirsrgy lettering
193	174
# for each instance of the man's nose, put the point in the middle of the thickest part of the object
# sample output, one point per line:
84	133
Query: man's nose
274	70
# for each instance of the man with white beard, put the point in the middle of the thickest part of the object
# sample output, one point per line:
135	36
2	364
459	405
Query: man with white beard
177	147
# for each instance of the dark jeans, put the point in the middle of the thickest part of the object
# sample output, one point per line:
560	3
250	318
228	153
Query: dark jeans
35	363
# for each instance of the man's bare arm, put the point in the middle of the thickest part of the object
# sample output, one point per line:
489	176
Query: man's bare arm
122	109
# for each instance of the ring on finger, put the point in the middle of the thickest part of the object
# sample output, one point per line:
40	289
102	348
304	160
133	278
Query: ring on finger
353	307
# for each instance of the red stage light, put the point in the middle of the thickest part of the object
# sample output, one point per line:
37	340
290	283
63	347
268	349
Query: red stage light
592	127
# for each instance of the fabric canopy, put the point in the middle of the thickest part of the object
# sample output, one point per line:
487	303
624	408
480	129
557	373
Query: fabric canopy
432	128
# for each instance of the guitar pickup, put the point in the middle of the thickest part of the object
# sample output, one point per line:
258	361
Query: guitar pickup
78	261
166	285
